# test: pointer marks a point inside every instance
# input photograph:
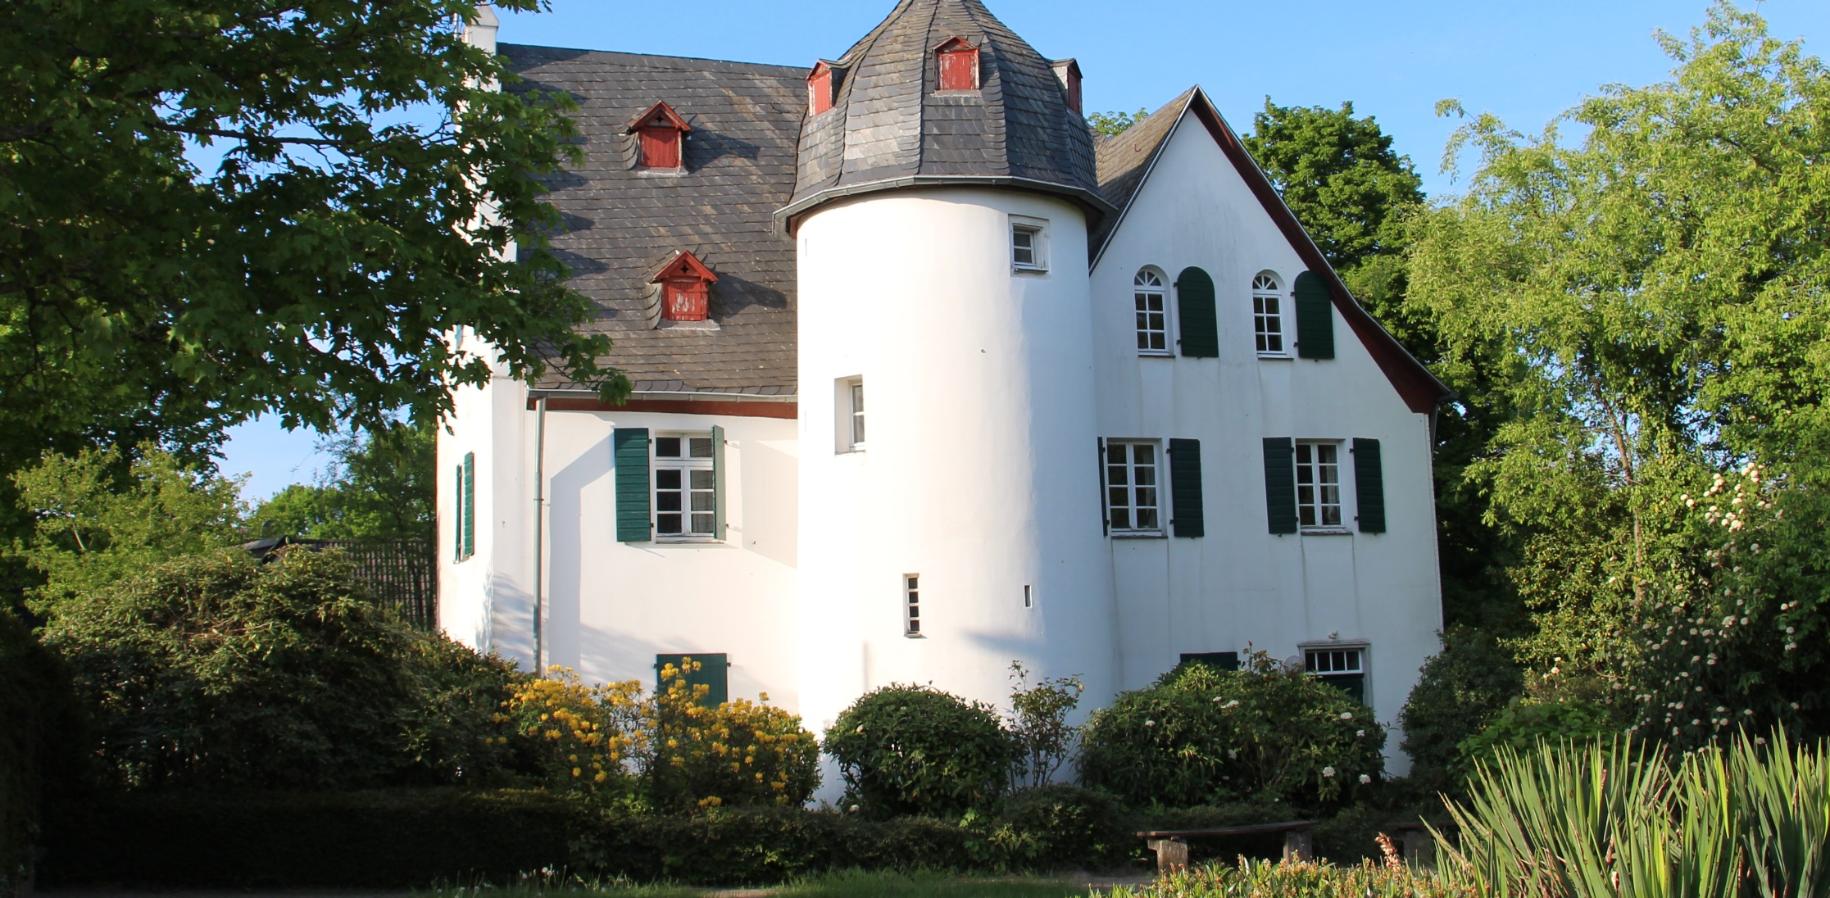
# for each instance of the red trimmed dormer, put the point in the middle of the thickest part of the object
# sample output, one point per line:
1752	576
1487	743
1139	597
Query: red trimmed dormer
958	62
821	84
686	288
661	133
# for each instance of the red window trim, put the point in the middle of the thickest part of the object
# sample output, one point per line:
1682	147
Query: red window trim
956	64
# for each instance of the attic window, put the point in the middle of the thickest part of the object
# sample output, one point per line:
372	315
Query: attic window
661	135
686	288
1068	72
820	89
958	61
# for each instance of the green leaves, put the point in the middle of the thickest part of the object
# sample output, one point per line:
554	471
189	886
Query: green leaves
311	262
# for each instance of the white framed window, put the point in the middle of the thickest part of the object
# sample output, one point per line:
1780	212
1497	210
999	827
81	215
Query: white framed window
1338	665
1268	314
1028	243
911	604
1151	299
1318	485
1134	487
849	397
685	487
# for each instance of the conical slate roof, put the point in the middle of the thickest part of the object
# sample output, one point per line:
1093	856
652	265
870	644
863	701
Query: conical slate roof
889	127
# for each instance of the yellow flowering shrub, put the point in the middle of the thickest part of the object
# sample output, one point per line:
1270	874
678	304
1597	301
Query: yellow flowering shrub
736	753
588	740
614	742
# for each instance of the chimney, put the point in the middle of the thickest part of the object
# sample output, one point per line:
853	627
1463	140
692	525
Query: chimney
481	32
1068	71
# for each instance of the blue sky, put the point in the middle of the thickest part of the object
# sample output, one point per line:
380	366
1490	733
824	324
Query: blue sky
1524	60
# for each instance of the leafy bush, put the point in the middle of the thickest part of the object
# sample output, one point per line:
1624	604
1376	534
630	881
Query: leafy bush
1203	735
734	753
1062	827
915	750
450	726
216	671
1459	692
1748	819
1525	722
1261	879
1038	724
397	838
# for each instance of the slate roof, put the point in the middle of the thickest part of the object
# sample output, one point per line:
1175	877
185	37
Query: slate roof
890	128
620	224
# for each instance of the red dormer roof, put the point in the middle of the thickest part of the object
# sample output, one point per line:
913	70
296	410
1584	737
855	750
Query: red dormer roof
660	115
683	265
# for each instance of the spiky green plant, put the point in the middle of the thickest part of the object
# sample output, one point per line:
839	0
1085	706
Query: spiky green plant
1625	819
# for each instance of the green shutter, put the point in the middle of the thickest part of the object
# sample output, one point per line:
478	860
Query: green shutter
1105	511
457	513
1200	329
1369	485
714	671
1314	318
1280	483
718	483
1188	517
470	504
629	451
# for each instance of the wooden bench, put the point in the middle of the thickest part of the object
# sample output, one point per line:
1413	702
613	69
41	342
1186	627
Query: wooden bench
1171	845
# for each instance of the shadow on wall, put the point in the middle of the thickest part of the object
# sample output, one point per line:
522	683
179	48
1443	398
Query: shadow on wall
769	475
565	547
508	621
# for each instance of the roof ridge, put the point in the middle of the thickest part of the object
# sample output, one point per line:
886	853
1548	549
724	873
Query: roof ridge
508	45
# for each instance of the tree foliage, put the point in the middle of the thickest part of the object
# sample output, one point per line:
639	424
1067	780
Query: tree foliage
215	208
1641	288
99	518
381	486
1112	124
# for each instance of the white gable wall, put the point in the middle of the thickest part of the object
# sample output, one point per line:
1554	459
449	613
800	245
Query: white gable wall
1240	584
474	593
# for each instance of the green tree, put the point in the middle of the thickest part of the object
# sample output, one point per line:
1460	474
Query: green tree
98	519
1647	305
1112	124
315	267
381	486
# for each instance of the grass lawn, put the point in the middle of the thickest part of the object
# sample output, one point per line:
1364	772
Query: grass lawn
838	885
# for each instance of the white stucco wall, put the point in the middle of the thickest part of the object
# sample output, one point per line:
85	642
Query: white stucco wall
977	474
1240	584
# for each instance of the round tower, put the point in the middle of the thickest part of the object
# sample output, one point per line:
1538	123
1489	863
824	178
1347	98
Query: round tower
950	517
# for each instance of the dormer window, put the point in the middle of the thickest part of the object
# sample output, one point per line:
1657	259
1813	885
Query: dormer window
686	288
661	136
958	61
820	88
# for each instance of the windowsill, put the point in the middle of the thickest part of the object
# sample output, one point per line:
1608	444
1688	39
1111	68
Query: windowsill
1326	531
1155	354
702	324
688	541
913	636
1276	357
1139	534
1030	270
644	171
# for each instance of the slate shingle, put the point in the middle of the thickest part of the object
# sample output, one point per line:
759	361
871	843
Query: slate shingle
621	223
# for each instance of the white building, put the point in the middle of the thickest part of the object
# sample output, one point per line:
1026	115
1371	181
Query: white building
929	379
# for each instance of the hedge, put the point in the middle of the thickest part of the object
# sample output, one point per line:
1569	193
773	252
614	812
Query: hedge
408	838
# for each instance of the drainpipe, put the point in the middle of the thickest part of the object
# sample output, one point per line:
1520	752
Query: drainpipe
540	536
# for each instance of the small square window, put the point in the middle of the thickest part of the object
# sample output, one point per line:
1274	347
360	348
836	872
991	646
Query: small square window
1343	667
1028	244
849	403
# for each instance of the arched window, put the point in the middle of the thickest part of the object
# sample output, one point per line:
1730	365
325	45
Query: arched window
1268	314
1151	298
